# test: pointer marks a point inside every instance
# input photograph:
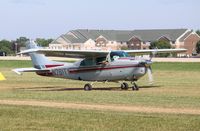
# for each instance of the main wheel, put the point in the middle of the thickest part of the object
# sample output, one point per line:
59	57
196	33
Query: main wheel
88	87
124	86
135	87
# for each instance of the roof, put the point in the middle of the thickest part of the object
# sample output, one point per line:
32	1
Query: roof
152	35
82	35
185	36
115	35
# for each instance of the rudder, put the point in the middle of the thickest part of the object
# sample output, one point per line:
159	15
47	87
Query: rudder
40	61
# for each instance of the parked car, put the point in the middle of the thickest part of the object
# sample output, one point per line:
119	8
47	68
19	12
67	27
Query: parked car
2	53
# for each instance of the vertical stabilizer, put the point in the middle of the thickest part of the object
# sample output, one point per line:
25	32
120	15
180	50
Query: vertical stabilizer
40	61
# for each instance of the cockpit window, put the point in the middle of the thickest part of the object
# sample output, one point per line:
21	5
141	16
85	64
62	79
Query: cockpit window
99	60
118	54
92	61
87	62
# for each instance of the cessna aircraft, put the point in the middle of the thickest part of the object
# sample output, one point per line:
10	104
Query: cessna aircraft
97	66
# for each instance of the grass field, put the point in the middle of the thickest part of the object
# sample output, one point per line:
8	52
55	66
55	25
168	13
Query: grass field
36	118
177	85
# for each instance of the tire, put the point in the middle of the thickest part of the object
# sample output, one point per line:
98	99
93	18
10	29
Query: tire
88	87
124	86
135	87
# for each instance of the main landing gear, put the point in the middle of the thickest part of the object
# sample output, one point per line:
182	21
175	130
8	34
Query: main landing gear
124	86
88	87
135	86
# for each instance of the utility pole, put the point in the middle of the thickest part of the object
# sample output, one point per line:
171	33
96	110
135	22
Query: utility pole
16	48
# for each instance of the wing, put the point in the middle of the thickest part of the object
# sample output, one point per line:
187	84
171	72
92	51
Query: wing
79	53
96	53
19	71
155	51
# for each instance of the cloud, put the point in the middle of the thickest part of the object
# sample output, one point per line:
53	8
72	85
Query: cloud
28	2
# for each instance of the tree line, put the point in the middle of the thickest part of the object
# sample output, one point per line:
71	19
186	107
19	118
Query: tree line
11	47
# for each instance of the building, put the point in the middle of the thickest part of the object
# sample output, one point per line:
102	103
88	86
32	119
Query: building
84	39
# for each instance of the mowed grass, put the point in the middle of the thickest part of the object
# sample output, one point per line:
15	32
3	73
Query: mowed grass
25	118
176	85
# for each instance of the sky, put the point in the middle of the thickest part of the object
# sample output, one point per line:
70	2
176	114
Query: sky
51	18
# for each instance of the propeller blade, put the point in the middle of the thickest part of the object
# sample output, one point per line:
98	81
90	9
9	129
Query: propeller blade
149	71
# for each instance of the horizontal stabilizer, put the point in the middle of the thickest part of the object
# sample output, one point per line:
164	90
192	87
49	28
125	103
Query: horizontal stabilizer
19	71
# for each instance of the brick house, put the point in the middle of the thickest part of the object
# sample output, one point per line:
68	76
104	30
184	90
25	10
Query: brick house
83	39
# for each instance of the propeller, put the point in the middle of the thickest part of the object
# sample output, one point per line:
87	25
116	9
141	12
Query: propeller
147	64
149	72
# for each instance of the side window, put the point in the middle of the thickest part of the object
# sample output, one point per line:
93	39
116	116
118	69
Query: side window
87	62
82	63
99	60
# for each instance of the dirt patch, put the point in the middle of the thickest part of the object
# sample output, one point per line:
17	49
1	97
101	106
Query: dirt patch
119	108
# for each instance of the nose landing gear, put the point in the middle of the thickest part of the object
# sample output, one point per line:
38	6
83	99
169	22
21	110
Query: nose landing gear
124	86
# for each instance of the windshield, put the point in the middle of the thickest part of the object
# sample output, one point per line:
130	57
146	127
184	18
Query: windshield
118	54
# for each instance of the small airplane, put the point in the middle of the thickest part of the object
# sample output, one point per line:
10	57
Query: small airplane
97	66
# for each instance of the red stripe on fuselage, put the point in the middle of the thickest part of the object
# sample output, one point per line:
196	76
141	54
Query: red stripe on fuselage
79	70
45	73
50	66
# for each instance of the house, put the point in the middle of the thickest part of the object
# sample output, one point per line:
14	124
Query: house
84	39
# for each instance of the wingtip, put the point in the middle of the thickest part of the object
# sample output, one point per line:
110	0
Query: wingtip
17	72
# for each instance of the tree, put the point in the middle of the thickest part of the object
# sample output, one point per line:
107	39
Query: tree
198	32
160	45
6	46
124	48
21	41
43	42
198	47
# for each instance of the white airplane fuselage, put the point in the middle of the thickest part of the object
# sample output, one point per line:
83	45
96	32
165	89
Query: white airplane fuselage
120	69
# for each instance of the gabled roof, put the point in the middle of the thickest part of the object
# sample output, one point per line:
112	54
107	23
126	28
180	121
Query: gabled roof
185	36
152	35
115	35
82	35
73	39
